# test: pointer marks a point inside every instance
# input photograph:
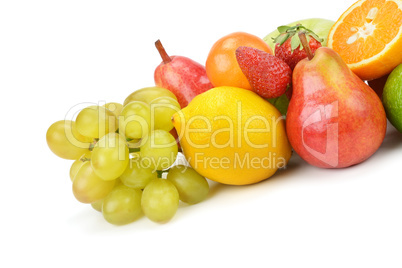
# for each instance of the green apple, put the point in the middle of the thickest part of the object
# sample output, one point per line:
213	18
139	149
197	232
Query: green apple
392	97
319	26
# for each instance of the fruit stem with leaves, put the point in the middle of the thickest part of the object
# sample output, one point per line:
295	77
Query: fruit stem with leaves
304	42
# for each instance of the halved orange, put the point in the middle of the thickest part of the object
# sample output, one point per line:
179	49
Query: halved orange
368	37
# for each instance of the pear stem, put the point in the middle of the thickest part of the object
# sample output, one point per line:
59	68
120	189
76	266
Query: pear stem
303	40
165	57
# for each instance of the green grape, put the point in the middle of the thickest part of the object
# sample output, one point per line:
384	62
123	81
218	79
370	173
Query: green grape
160	200
137	176
96	121
110	156
114	107
75	167
135	120
162	110
159	149
148	94
65	141
192	187
97	205
77	164
122	205
89	187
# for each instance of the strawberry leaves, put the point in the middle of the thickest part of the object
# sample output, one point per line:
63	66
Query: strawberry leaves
286	32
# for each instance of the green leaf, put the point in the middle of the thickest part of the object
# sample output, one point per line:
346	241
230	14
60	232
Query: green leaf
316	37
283	28
281	38
294	42
281	103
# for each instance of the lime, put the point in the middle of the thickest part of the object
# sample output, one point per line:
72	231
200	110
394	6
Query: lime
392	97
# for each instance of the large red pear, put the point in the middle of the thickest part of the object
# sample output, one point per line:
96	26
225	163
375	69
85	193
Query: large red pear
181	75
334	119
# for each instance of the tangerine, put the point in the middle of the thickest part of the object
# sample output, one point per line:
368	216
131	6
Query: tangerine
221	65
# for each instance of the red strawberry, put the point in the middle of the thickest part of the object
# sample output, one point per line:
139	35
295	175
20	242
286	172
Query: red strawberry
268	75
288	46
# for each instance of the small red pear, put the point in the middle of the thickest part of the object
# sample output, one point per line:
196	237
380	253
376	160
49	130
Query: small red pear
182	76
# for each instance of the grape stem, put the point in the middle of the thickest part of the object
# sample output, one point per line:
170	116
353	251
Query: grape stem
92	144
133	150
160	172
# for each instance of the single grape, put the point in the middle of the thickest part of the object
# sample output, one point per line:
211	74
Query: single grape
89	187
162	110
148	94
97	205
110	156
135	120
160	200
96	121
192	187
65	141
159	149
137	176
114	107
122	205
75	167
77	164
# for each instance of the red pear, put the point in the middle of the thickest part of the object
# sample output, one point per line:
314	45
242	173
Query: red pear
181	75
334	119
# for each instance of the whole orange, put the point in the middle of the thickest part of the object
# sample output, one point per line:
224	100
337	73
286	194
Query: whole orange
222	67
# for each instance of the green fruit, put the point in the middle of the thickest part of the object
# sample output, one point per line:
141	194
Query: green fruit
160	200
192	187
319	26
148	94
159	149
392	97
122	205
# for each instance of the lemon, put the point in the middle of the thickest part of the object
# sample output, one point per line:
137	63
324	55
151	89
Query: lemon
392	97
232	136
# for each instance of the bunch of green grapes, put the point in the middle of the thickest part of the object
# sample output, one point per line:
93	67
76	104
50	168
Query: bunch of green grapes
124	158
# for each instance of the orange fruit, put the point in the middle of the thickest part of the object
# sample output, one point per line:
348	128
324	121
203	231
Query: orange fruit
222	67
368	36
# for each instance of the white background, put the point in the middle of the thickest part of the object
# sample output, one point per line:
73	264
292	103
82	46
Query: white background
57	54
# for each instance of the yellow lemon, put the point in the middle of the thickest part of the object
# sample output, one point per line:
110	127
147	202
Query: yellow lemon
232	136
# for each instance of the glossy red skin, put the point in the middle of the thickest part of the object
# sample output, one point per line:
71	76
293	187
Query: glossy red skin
285	53
268	75
176	137
352	116
184	77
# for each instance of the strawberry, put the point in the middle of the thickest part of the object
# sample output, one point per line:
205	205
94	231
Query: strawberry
268	75
288	46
